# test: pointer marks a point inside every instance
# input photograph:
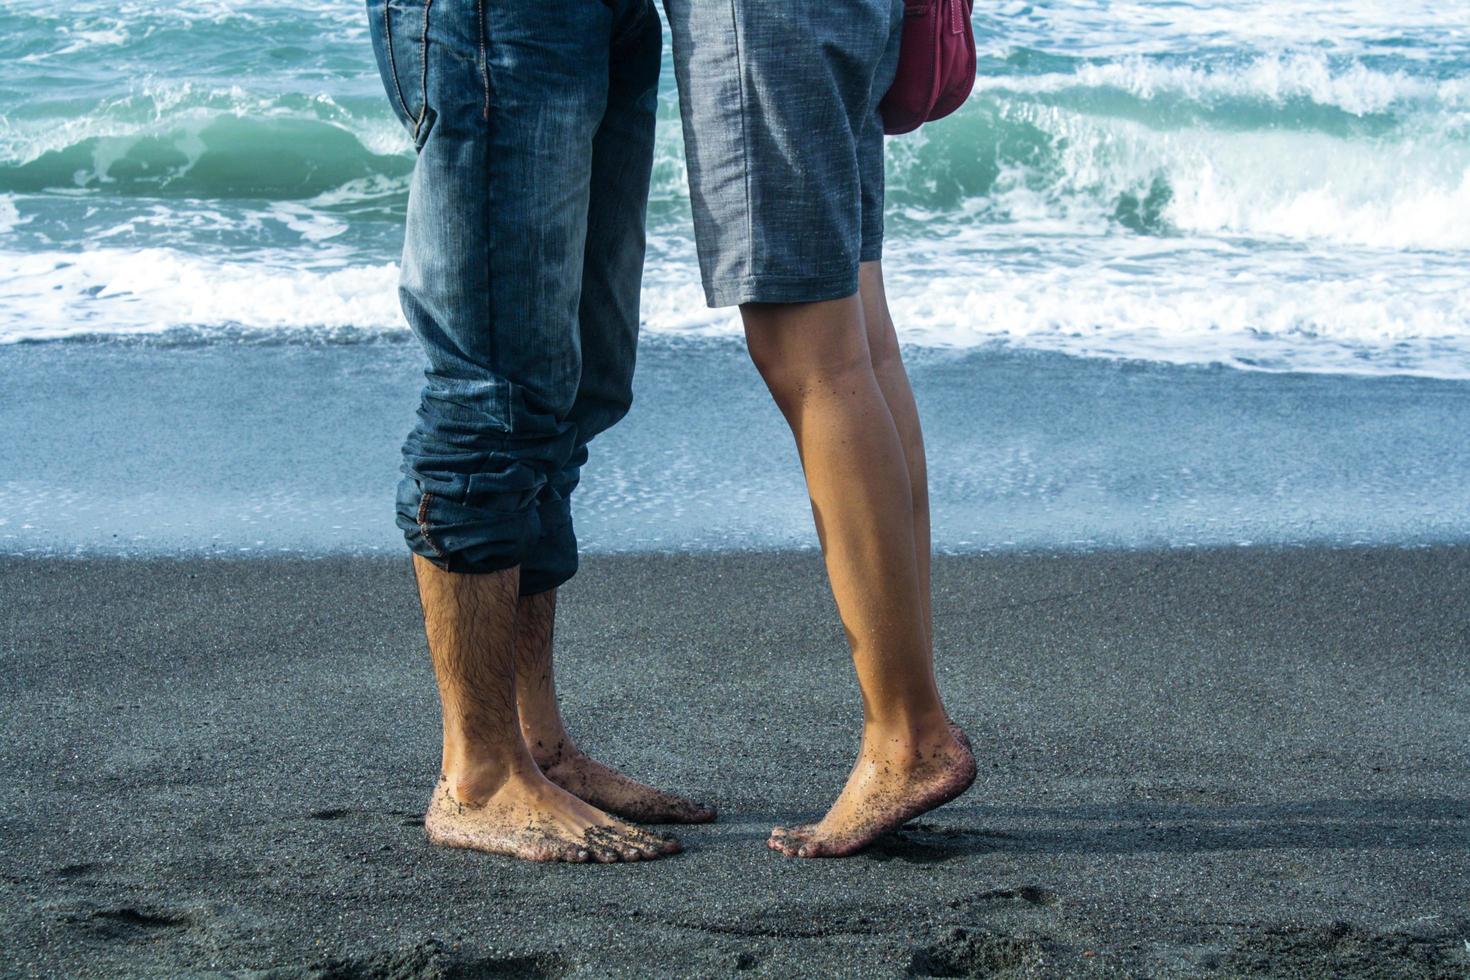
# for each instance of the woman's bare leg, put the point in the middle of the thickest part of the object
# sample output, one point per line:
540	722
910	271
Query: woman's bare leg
893	380
816	361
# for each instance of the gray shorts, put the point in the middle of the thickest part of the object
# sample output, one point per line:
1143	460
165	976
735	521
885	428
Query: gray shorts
783	141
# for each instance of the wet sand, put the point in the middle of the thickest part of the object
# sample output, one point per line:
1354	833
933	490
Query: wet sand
1193	763
1027	452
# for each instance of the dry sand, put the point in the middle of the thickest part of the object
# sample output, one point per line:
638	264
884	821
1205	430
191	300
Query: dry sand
1193	763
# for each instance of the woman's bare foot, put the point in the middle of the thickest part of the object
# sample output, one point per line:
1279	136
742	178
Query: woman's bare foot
587	779
961	737
892	783
529	818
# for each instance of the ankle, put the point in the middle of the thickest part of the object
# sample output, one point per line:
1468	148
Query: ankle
473	783
549	748
908	732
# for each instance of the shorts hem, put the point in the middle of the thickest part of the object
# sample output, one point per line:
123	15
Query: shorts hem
543	585
780	289
459	566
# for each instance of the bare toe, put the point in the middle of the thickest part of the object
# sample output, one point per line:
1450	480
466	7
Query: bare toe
604	853
650	849
643	845
786	843
611	842
660	843
788	839
688	811
796	830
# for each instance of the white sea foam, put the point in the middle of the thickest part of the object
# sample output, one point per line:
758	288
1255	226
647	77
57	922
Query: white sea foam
9	214
1412	192
1353	325
48	295
1122	27
1273	78
310	224
1195	304
1343	192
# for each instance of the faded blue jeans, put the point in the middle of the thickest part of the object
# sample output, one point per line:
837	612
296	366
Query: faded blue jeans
522	262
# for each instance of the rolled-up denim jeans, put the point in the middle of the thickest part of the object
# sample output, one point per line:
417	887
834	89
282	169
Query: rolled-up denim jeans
522	261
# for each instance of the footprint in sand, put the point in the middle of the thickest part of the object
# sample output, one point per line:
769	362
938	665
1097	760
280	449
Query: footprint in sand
130	923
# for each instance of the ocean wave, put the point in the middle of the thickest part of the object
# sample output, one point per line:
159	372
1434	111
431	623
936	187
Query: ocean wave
1267	80
1025	148
119	292
1060	168
137	35
1351	325
1116	28
1191	306
217	143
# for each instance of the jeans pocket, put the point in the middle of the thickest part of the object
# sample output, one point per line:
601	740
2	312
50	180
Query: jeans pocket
400	34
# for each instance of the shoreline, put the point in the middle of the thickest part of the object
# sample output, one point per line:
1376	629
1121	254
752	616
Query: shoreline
1193	763
294	450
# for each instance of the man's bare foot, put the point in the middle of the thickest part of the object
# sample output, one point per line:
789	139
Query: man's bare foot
890	785
528	817
585	778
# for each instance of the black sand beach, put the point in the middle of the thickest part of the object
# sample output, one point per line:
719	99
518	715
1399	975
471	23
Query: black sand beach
1193	763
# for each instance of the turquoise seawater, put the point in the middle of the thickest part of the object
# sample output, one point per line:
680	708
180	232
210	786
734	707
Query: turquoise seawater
1268	185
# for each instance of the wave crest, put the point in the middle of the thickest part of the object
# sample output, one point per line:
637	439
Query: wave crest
1057	167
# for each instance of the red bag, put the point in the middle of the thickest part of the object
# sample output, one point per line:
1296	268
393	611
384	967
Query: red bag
936	64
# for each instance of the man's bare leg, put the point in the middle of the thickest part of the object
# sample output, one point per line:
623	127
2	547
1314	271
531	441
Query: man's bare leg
491	796
552	747
816	361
